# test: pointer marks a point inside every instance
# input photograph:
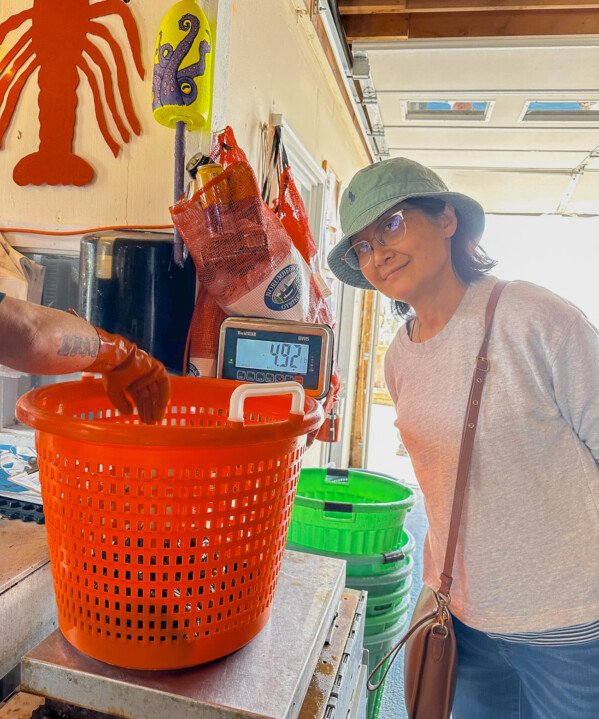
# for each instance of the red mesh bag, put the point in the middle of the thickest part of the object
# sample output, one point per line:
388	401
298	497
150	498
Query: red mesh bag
202	340
290	209
242	253
246	261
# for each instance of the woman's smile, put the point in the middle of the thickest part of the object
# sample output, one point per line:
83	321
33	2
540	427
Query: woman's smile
392	273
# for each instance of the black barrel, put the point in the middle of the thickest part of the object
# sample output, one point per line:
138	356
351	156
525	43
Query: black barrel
130	285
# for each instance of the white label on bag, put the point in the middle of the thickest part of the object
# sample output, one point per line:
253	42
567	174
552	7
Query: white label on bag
285	294
201	367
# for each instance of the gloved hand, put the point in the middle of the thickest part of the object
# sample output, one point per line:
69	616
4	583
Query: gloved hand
130	372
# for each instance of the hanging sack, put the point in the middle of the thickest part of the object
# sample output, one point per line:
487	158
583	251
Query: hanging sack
242	253
430	662
244	257
201	350
290	208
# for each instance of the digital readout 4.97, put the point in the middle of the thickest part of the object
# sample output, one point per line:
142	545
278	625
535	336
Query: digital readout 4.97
268	355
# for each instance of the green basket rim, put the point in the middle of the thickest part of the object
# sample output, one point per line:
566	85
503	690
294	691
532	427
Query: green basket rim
367	583
365	507
389	635
357	559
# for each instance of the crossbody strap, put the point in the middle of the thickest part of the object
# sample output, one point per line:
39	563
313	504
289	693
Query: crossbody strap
481	368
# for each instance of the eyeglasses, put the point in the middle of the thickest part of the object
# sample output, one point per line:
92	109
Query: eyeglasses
388	234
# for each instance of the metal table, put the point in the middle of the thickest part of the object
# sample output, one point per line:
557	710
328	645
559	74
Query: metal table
269	677
27	606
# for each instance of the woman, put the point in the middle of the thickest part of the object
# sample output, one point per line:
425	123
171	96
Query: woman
525	595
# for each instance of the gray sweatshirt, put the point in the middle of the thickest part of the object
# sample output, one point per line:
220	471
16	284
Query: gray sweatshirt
528	552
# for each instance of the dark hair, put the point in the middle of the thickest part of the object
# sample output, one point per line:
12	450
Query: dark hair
469	261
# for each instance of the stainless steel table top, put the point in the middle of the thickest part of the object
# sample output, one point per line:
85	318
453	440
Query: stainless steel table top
267	678
27	606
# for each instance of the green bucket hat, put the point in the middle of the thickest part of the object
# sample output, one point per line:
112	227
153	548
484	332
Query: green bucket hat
380	187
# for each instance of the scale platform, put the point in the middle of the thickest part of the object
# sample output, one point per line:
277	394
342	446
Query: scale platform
269	677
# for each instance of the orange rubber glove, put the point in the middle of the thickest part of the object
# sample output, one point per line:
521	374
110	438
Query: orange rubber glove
129	372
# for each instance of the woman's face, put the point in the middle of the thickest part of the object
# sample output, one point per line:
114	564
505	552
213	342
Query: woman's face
416	260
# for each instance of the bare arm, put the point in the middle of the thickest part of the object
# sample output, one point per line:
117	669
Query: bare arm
40	340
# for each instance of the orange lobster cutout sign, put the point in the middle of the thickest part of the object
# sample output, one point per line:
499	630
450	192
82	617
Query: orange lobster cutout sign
61	31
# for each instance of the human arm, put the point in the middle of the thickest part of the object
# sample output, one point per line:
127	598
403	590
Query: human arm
575	373
41	340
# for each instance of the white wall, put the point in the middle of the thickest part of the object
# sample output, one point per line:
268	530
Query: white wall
276	65
133	188
271	64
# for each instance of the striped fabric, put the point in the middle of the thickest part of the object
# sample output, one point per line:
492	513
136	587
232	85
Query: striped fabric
577	634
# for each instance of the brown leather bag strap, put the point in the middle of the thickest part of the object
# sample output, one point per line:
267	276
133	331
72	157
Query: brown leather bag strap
481	368
392	653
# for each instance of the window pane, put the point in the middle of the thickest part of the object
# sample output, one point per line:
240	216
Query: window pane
447	109
562	110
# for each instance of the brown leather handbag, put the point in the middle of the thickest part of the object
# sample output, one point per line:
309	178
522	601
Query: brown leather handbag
430	664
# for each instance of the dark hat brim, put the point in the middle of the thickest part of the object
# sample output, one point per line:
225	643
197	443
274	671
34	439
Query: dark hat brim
471	225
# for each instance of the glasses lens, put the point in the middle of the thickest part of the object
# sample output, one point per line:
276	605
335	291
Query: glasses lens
358	255
351	259
392	230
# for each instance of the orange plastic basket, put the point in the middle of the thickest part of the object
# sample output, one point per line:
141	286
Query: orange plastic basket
166	540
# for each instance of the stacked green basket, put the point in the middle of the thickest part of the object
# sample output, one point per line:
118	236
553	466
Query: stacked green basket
359	516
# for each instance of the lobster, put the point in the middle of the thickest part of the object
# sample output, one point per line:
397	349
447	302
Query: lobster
61	31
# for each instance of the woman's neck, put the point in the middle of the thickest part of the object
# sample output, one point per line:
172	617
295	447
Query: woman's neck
437	308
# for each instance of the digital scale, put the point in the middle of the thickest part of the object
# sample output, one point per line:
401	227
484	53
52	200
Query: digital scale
264	350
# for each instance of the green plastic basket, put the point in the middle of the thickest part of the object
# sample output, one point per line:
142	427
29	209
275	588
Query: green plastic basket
382	584
377	605
378	624
349	511
367	565
378	645
375	699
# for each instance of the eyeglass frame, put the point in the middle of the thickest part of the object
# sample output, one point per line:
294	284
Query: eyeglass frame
376	235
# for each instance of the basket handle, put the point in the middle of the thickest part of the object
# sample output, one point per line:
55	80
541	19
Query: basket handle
241	393
339	511
338	475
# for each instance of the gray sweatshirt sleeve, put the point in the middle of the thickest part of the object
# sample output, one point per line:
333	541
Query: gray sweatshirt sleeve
575	371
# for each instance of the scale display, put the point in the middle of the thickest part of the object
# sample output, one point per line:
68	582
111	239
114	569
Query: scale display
272	355
261	350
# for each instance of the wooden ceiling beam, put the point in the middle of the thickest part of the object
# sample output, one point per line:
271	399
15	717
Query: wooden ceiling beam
367	28
375	27
388	7
364	7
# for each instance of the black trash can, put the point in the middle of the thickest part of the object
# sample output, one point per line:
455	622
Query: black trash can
130	285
